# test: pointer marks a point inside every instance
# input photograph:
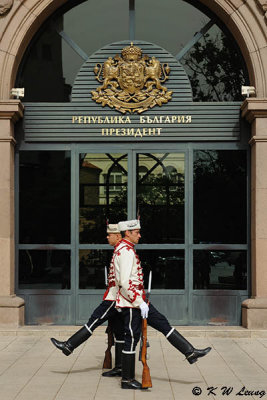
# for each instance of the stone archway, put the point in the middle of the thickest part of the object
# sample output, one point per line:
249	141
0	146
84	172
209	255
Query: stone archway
248	23
246	20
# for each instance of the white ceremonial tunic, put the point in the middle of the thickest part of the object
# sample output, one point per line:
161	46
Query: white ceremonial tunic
111	292
128	276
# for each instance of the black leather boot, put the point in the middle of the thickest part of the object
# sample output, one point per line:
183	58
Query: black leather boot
116	371
181	344
192	357
128	372
74	341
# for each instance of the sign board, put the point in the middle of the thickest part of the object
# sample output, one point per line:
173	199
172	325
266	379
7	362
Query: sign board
132	92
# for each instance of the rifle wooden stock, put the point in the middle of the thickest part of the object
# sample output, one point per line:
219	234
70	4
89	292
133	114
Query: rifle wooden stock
146	378
107	364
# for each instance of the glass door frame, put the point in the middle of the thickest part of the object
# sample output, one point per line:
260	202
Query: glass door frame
66	296
95	295
132	149
240	295
189	246
156	294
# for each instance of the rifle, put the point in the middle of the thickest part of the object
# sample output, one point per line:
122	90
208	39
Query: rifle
146	378
107	364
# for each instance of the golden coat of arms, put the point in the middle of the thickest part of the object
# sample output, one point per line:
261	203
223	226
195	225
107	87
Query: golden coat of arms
131	82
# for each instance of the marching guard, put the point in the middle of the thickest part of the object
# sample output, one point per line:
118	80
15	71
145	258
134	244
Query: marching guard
131	300
130	297
105	311
124	302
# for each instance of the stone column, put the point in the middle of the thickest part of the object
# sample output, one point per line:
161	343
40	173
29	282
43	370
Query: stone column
11	306
254	310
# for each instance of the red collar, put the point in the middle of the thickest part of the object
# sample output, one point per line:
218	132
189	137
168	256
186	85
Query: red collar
117	245
127	242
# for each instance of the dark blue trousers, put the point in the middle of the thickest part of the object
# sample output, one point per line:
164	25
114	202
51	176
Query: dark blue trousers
158	321
132	328
107	311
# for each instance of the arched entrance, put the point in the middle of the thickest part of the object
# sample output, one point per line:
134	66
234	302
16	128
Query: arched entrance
118	165
237	11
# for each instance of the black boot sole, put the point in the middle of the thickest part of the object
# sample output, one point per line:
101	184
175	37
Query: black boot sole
126	385
110	374
61	346
194	359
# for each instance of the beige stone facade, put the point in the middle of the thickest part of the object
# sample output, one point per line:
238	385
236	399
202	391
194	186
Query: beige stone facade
247	20
11	307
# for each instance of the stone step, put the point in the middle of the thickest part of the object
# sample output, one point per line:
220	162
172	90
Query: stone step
187	331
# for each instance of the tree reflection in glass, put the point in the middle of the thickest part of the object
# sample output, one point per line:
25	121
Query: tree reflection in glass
103	194
216	68
220	196
160	197
220	270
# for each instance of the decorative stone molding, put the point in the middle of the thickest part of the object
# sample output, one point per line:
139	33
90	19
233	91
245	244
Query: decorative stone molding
11	301
237	3
5	6
8	139
11	311
254	108
254	313
263	6
11	109
256	139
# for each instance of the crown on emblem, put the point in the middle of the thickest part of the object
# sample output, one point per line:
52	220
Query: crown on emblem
131	53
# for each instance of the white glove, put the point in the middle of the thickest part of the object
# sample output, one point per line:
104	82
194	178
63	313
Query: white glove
144	309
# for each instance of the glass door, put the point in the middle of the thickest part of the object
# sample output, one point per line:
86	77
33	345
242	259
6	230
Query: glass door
117	186
102	197
103	181
220	251
161	204
193	205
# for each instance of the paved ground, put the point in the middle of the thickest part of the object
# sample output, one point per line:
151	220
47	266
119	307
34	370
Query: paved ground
31	368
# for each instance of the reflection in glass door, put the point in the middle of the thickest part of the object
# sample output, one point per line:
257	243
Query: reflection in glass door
158	192
44	220
193	210
220	209
160	196
103	194
103	197
220	236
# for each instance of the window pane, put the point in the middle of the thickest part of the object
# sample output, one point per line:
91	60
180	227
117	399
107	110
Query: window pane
216	68
50	65
160	197
103	194
215	65
44	269
94	24
220	196
92	268
220	270
169	23
44	197
167	268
